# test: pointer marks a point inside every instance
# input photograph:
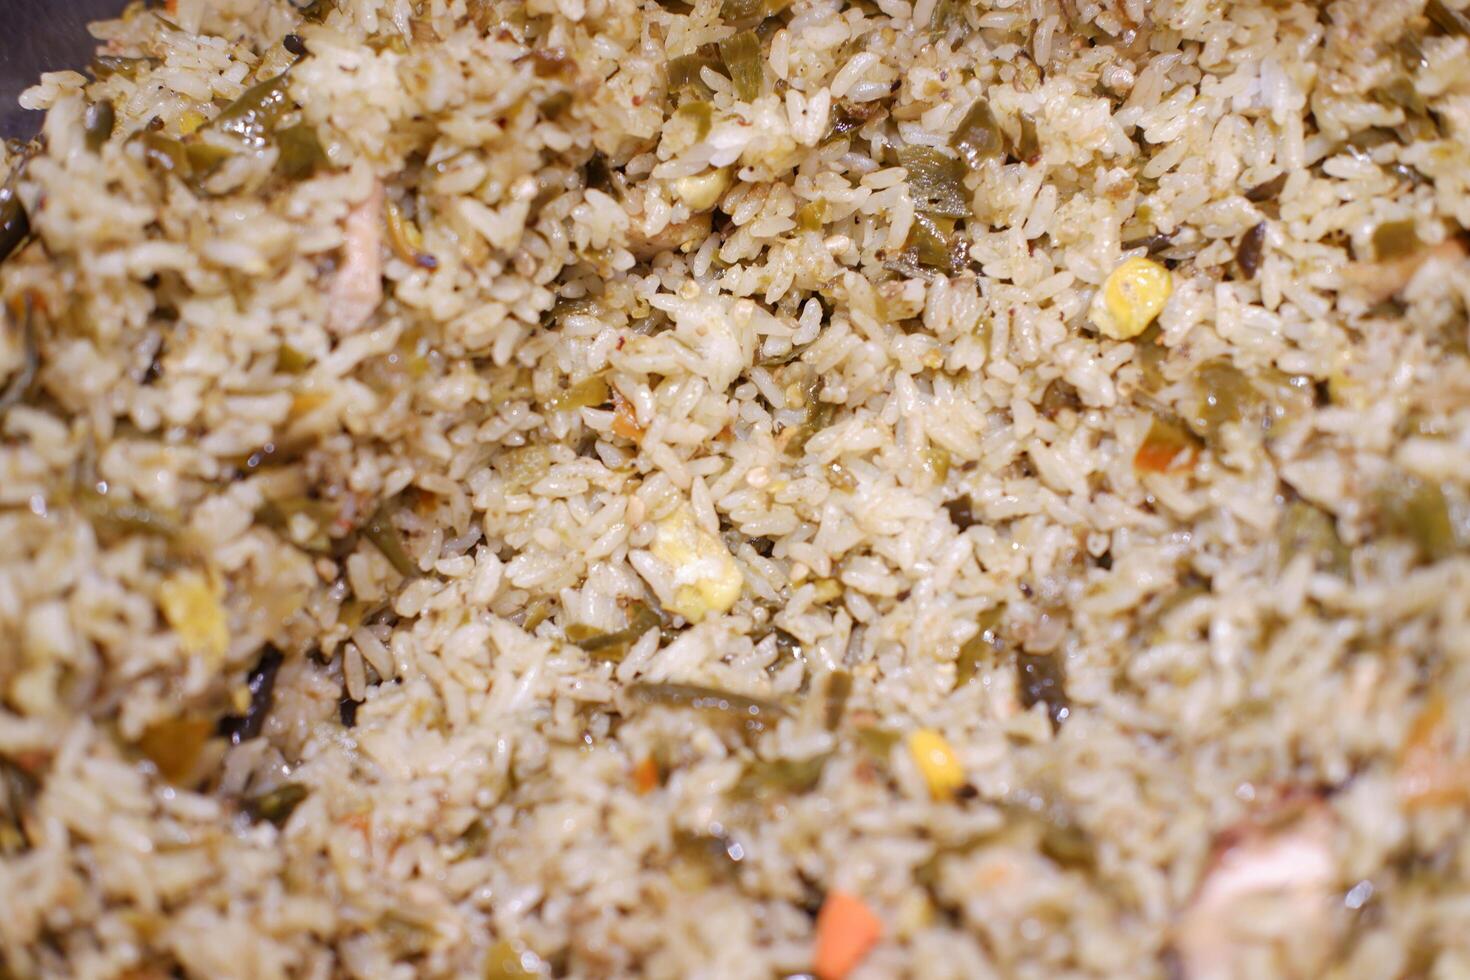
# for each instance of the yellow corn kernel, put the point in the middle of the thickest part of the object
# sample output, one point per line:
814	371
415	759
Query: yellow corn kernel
702	191
190	122
1133	296
706	578
937	762
191	605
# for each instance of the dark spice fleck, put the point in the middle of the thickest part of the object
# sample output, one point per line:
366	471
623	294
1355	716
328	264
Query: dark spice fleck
262	685
347	711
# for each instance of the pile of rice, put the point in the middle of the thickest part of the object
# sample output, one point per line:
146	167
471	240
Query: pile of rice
576	488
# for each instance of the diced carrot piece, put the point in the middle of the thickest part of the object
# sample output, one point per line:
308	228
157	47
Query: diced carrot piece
1166	448
625	423
645	776
846	931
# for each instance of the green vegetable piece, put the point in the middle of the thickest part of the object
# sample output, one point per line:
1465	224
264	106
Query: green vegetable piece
839	689
175	746
277	805
166	154
1149	353
936	181
114	518
1307	530
384	536
1028	148
98	123
107	65
698	113
280	515
290	360
1225	395
878	742
1395	240
205	158
613	647
981	649
932	242
252	117
978	137
507	962
1418	510
20	382
947	14
754	714
1043	679
684	72
780	777
301	153
743	13
742	56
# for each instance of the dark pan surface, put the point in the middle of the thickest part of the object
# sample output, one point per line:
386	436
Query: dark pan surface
42	35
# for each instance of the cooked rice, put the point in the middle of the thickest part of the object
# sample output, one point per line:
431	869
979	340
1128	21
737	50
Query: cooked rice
548	395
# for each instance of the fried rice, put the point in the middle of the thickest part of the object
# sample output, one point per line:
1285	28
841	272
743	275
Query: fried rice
751	489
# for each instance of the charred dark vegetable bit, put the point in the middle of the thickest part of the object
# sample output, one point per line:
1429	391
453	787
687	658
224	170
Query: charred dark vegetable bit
262	686
1043	679
277	805
1060	396
839	689
347	711
15	224
1447	19
684	72
961	512
742	56
384	536
1248	252
981	649
1395	240
753	714
18	789
978	137
1306	530
98	124
1267	191
1168	448
20	382
613	647
1152	244
936	181
1418	510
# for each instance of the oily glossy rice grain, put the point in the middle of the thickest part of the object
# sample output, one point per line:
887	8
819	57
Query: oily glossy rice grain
493	488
